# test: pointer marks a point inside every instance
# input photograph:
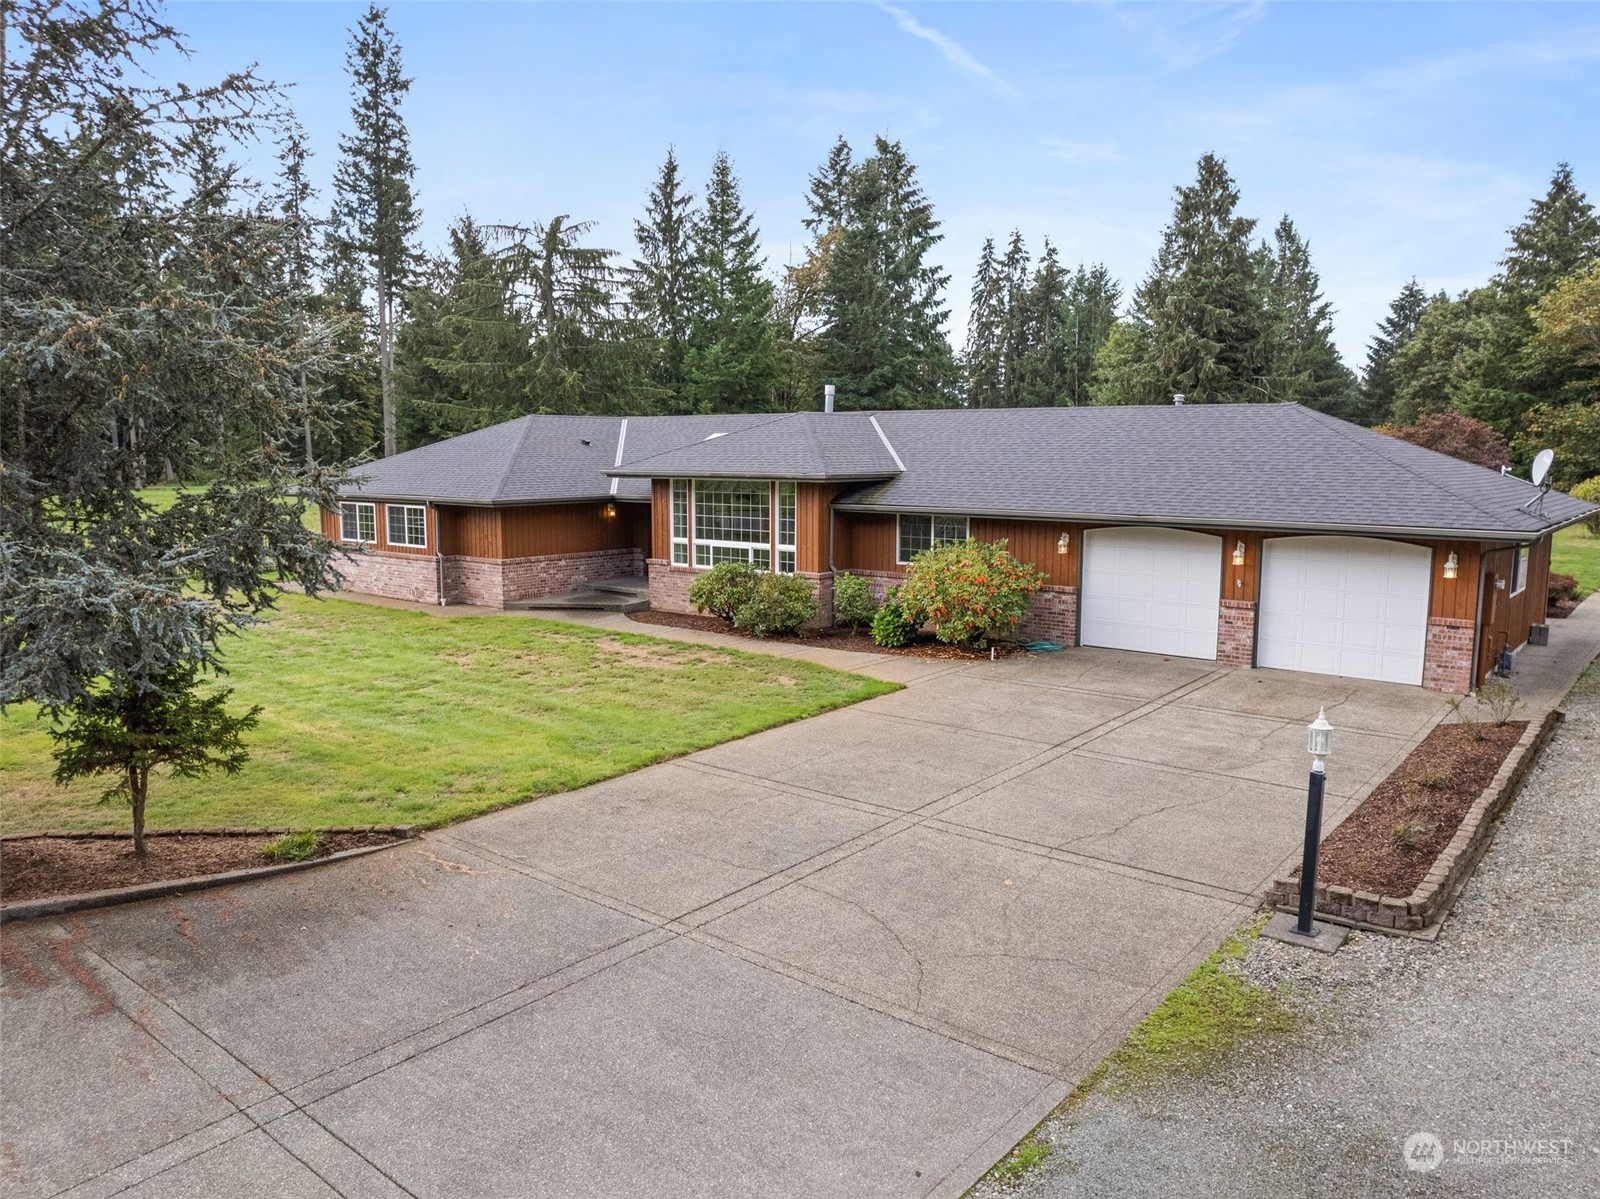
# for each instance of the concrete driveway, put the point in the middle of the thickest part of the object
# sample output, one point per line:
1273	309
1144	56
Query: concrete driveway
860	955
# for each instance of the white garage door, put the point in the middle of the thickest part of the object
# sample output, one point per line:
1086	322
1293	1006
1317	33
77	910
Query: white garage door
1151	589
1354	606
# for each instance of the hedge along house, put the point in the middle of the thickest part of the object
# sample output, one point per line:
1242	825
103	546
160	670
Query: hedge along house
1256	535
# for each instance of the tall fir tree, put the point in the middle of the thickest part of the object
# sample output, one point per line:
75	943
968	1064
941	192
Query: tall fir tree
463	357
1044	364
302	230
1378	381
1302	365
375	218
1200	303
1093	298
1017	330
732	360
1560	235
661	283
985	332
828	191
883	343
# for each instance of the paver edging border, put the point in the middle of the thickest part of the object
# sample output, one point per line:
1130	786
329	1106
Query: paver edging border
61	905
1424	909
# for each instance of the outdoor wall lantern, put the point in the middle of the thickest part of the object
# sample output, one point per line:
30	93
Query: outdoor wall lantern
610	510
1452	567
1063	542
1238	553
1319	744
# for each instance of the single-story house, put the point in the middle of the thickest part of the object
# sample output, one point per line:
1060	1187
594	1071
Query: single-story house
1263	535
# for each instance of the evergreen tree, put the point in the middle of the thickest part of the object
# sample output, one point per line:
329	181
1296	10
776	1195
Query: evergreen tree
732	362
136	322
663	278
1559	236
1379	381
1017	326
1047	366
1091	313
1200	303
1302	364
828	192
374	215
883	343
462	359
985	332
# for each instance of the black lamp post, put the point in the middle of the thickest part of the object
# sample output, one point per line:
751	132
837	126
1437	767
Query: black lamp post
1319	744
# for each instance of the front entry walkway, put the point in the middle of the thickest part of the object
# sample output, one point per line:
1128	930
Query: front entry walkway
858	955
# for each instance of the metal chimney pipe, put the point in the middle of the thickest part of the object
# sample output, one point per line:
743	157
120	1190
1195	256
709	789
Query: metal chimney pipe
827	398
1177	400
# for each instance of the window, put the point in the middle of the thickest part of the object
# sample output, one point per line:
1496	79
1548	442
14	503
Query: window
918	533
786	528
680	522
1519	570
358	522
408	525
732	523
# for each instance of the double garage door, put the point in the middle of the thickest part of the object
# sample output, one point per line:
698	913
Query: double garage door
1353	606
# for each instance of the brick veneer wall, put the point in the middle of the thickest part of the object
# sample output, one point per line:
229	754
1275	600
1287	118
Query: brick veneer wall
669	590
496	582
396	576
1447	658
486	582
1052	616
1236	633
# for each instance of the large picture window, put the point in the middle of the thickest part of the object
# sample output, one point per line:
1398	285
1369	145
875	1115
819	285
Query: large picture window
680	522
408	525
732	523
358	522
920	532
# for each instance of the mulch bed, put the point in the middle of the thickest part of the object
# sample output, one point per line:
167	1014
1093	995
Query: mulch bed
860	642
1561	609
44	867
1427	796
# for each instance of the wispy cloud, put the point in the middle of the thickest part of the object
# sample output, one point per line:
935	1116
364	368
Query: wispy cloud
954	52
1183	35
1071	151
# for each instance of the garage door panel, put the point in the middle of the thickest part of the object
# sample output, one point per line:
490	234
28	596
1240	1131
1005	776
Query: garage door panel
1353	606
1154	590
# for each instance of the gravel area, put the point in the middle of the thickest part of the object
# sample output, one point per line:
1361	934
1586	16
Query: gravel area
1489	1035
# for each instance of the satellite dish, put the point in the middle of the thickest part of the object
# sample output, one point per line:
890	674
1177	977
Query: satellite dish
1541	467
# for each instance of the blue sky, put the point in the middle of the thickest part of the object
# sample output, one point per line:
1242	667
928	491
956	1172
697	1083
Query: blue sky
1404	139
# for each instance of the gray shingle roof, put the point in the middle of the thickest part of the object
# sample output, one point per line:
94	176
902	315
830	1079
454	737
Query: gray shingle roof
1239	465
1229	465
799	445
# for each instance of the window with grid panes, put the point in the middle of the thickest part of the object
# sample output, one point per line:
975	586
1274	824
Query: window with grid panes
680	522
920	532
408	525
732	522
358	522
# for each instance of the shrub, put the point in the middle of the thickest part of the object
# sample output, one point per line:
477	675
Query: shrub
1501	698
293	847
724	589
1431	777
853	603
1411	833
966	589
890	628
1589	490
1562	587
776	604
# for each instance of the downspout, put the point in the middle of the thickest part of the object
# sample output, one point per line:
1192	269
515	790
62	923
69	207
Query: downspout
438	552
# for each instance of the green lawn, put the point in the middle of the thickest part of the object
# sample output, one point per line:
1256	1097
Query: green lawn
163	495
1576	552
379	716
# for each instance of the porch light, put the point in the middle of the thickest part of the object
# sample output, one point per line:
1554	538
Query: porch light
1238	553
610	510
1451	566
1063	542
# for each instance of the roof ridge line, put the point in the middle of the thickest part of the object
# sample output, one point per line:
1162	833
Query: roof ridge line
776	416
622	440
884	437
516	456
1334	423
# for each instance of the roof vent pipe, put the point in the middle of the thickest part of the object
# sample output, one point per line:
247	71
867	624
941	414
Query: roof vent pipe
1177	400
827	398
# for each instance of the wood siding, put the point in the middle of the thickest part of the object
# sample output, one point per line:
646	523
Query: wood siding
472	532
1508	617
536	531
331	529
813	504
661	519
